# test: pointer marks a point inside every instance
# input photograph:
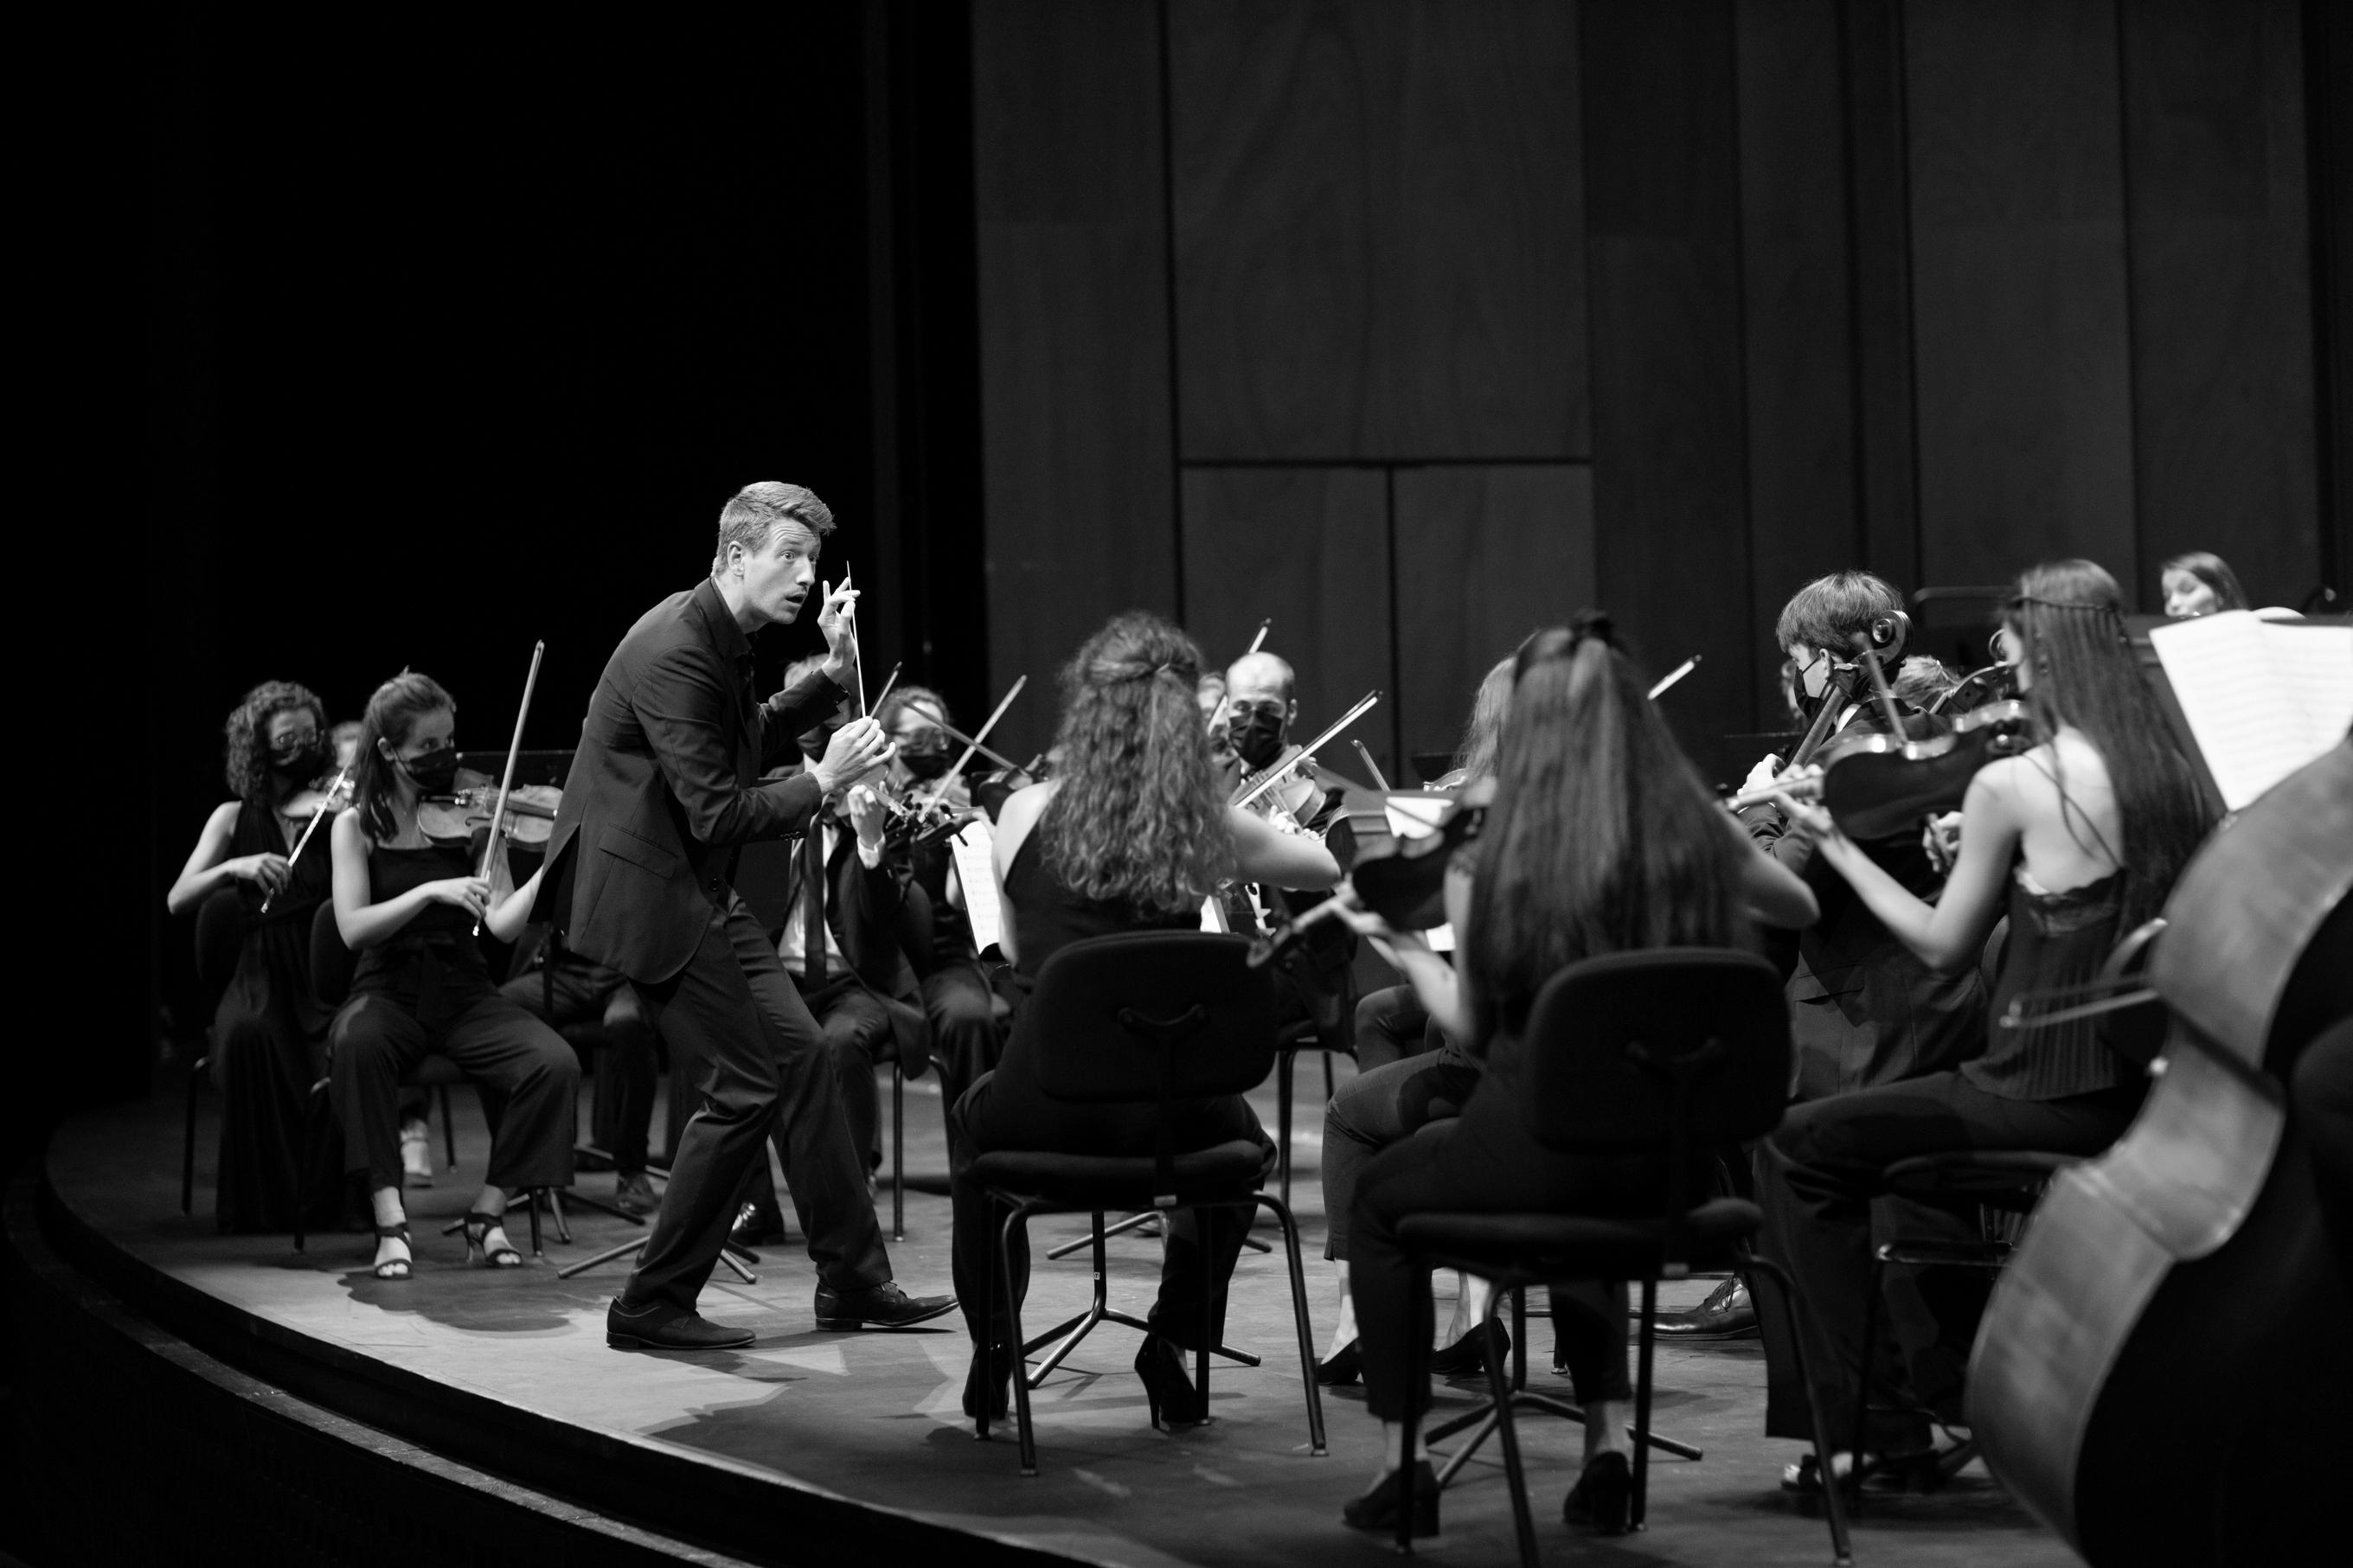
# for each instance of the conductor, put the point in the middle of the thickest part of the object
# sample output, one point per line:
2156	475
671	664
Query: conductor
663	790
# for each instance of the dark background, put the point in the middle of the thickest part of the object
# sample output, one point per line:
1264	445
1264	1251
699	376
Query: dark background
1409	325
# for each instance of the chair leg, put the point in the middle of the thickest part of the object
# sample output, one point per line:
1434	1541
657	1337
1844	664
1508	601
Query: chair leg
1634	1513
448	1128
898	1153
555	1212
1417	1378
1289	1227
610	1253
1135	1221
1282	1064
530	1206
1029	1433
309	1156
1863	1380
1209	1323
1833	1496
1499	1389
188	1143
1072	1331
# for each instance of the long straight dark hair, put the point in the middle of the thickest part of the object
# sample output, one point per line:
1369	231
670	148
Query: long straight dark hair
1601	837
2068	617
392	714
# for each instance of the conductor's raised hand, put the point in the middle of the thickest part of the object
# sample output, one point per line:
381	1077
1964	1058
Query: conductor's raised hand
836	617
856	748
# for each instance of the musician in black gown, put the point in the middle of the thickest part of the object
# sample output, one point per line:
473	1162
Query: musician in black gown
269	1034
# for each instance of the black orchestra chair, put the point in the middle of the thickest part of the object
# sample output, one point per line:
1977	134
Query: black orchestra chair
332	965
1671	1052
1154	1019
221	927
2000	1187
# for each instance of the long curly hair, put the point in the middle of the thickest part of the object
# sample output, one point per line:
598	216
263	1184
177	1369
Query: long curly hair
1138	819
392	714
2068	617
1485	731
248	731
1601	837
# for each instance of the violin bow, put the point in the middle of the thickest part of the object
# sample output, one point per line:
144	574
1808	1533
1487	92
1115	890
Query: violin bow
1666	682
1275	777
1258	641
961	738
506	785
884	695
341	774
940	791
1371	767
857	654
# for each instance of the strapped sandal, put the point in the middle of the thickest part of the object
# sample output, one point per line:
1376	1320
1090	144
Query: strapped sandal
478	1227
394	1268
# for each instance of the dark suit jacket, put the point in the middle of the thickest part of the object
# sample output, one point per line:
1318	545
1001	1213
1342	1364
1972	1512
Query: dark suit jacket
664	787
1864	1009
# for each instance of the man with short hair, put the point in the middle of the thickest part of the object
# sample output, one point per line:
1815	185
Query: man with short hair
663	789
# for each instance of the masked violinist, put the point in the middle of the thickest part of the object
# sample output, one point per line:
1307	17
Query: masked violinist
1261	702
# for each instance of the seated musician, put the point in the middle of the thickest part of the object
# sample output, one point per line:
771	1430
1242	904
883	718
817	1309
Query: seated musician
409	906
2079	840
269	1036
563	989
1261	703
1385	1101
855	978
1133	832
1601	839
1863	1008
957	1002
2200	582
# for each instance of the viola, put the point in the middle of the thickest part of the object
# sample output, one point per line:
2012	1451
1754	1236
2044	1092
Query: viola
2187	1275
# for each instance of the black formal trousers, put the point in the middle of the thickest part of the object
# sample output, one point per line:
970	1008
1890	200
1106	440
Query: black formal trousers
1818	1176
966	1038
1485	1162
740	1035
571	992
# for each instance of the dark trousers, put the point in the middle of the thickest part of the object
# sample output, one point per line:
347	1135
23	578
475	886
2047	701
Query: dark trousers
1391	1024
1484	1163
739	1034
1818	1177
1006	1110
1379	1108
529	1078
966	1037
857	1034
568	993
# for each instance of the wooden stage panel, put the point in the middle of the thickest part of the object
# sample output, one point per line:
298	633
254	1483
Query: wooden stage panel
807	1439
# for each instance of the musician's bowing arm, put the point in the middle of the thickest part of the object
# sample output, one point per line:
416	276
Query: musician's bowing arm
1775	892
1263	854
1445	994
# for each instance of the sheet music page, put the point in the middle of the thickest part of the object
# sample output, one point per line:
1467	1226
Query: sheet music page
2315	667
2252	729
973	848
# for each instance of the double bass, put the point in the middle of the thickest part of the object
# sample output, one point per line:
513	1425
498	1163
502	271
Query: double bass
2163	1373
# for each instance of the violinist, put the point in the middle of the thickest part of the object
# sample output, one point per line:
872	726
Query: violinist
269	1035
409	906
1261	703
1863	1008
853	976
1601	839
957	1002
1132	834
561	989
2079	839
2200	582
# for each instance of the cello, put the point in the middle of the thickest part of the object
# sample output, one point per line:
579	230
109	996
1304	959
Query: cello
2162	1371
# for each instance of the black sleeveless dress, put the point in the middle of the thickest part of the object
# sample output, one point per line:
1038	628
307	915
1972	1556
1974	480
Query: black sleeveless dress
269	1046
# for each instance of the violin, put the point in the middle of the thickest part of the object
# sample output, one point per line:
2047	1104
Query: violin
456	817
2187	1273
1876	784
318	805
1401	879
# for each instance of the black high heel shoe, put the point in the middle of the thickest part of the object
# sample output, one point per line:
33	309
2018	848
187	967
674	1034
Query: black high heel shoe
1346	1365
478	1227
398	1233
1602	1495
1174	1399
1378	1509
1468	1354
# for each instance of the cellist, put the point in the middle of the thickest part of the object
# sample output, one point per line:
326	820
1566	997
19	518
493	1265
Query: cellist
2079	839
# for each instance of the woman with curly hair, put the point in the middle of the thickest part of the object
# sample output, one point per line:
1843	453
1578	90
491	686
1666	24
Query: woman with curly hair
1132	834
410	908
267	1034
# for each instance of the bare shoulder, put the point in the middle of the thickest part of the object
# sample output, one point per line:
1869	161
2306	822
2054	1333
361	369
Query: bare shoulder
224	818
1018	816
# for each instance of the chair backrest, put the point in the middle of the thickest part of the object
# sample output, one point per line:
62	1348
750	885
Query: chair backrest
1611	1039
332	963
1142	1015
221	927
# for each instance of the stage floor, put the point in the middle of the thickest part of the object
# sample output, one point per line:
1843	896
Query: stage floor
874	1417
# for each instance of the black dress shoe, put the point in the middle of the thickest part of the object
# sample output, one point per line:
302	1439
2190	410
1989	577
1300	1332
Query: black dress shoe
659	1326
883	1307
753	1228
1726	1314
1346	1365
1468	1354
1378	1509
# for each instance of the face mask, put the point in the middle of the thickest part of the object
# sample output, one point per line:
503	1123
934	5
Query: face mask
434	770
926	760
305	760
1257	736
